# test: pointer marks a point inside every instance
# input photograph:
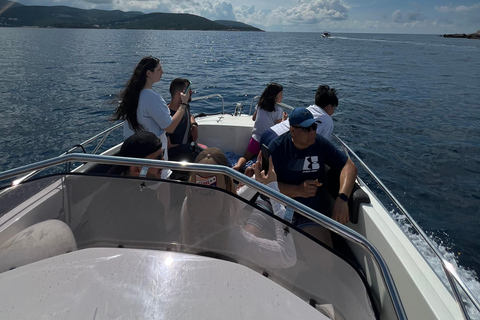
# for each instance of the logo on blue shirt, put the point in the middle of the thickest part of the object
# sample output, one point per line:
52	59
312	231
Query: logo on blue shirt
310	164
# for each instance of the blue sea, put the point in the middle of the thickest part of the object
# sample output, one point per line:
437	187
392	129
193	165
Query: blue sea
409	104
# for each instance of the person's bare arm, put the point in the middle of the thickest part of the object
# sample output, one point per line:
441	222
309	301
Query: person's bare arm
177	117
194	129
347	181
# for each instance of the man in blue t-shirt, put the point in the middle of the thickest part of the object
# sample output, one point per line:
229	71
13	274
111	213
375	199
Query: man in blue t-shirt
299	157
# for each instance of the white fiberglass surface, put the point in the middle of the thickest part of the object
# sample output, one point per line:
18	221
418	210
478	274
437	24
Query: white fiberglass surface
111	283
145	214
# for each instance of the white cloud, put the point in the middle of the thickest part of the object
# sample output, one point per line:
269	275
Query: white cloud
397	16
457	9
142	5
301	13
219	10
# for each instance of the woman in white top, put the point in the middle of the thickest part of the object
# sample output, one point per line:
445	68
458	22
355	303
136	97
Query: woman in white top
267	114
142	109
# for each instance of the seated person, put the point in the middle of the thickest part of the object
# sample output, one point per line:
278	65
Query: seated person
179	146
326	102
145	145
299	157
210	218
267	113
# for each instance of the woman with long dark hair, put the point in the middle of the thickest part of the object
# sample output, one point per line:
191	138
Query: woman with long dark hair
141	108
267	114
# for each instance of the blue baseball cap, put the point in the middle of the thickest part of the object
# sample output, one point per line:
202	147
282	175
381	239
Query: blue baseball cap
301	117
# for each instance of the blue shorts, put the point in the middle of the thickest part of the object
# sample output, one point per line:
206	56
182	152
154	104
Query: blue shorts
302	222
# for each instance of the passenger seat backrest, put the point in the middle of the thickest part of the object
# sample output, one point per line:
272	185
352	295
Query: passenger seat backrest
356	199
42	240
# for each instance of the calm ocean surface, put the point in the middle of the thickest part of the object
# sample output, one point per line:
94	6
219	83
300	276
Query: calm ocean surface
409	104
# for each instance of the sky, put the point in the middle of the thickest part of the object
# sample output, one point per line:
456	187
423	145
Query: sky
362	16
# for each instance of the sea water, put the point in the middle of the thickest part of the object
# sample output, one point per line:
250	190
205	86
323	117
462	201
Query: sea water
409	104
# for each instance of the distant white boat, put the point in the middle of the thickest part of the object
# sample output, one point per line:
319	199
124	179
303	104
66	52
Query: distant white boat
326	34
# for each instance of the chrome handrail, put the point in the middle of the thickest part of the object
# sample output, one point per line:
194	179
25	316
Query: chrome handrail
104	133
286	106
448	268
211	96
324	221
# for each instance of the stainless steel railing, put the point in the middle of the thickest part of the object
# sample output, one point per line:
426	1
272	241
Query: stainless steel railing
324	221
449	269
211	96
103	135
283	105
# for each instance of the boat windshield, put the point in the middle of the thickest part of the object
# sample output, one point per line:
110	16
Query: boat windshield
118	211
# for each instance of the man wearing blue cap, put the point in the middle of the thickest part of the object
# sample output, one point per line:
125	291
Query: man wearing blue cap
299	157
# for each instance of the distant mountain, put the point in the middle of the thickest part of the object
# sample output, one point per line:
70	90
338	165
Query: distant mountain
4	3
18	15
237	25
174	21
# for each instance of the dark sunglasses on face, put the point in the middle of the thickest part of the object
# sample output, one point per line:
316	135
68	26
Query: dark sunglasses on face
307	129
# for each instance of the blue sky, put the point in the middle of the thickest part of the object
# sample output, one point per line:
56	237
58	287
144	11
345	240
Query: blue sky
375	16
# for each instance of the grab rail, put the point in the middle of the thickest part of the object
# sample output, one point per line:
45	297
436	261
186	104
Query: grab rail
448	268
104	133
281	104
211	96
218	169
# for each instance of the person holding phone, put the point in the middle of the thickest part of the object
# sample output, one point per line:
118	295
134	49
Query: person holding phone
180	140
300	157
142	109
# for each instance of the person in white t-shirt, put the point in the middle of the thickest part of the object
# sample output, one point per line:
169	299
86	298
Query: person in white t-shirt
326	101
142	109
267	113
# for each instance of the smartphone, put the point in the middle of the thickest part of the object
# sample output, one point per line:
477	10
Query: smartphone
265	158
188	87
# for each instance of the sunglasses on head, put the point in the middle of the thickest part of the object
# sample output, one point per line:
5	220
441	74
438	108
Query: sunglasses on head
307	129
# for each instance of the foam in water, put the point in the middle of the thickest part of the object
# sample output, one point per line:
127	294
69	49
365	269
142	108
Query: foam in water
469	277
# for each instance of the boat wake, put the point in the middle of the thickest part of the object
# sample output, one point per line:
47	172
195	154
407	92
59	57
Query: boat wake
469	277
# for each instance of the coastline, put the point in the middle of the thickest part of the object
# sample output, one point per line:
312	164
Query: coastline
475	35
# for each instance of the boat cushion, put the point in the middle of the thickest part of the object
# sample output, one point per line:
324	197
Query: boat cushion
40	241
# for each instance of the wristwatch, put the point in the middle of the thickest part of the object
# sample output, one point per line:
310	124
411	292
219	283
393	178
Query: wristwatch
343	196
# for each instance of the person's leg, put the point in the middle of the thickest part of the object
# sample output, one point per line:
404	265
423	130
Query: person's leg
252	150
321	234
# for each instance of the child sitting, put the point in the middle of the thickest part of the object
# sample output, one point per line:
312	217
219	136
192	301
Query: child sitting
267	114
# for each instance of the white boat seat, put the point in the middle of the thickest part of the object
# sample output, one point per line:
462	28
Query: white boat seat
42	240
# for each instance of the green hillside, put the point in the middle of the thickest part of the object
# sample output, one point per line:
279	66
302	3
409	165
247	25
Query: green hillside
61	16
168	21
237	25
18	15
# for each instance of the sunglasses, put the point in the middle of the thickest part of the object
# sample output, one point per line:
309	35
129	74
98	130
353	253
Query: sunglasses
307	129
